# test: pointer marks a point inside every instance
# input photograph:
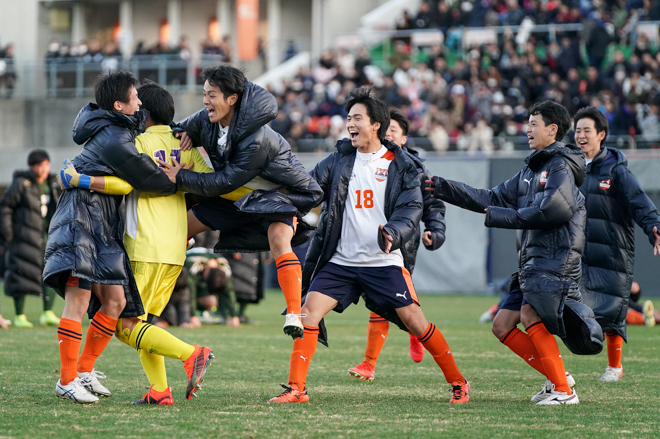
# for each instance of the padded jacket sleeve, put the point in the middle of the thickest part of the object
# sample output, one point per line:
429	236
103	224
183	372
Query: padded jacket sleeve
8	203
244	165
555	207
192	126
477	200
406	215
639	205
139	170
322	174
433	217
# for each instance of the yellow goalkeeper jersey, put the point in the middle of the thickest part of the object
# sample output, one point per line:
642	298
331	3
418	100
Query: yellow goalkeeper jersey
156	225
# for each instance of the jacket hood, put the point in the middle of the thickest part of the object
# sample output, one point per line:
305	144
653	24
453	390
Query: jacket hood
572	153
91	120
258	107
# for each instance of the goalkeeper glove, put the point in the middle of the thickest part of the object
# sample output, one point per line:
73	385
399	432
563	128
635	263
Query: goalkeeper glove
70	178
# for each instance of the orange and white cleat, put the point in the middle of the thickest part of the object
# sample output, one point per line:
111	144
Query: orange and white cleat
460	393
290	395
416	349
195	367
156	398
364	371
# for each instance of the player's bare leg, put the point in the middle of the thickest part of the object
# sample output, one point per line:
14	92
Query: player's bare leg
289	274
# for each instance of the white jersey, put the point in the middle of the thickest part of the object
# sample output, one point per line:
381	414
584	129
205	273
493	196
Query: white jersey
364	212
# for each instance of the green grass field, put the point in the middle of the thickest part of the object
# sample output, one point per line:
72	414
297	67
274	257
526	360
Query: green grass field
405	400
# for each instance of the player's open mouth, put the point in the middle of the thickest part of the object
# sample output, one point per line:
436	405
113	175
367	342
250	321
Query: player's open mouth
211	112
582	142
353	134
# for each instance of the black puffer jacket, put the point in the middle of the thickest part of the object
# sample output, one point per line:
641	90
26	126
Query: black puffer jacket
22	228
544	201
253	150
86	232
403	210
615	202
433	215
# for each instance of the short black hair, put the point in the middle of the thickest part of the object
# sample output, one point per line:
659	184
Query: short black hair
228	79
376	109
37	156
114	87
600	121
397	115
552	112
158	102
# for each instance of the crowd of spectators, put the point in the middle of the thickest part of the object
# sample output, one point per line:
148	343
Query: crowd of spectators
477	99
7	73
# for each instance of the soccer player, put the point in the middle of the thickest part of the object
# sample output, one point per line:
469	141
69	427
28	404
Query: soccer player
244	151
544	201
615	202
85	253
156	263
433	237
641	314
374	206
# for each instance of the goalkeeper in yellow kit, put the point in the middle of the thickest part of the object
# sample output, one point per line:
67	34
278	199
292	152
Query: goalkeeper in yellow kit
152	221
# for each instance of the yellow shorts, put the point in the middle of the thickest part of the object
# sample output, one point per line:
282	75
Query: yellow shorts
155	283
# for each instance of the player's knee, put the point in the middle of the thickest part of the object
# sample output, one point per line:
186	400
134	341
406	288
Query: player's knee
498	329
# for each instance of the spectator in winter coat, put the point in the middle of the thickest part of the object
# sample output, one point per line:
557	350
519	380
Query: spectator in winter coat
26	208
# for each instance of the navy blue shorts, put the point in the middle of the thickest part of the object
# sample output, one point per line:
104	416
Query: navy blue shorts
515	300
223	215
390	286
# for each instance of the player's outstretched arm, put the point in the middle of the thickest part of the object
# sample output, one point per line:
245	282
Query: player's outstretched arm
470	198
433	217
556	207
192	126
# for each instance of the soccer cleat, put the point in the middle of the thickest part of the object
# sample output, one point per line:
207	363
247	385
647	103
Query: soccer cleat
75	392
290	395
460	393
649	318
195	367
190	244
548	387
89	380
156	398
293	326
210	319
416	349
612	374
21	321
364	371
560	398
49	318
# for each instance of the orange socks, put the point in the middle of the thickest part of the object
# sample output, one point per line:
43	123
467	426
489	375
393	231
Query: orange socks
69	335
635	317
301	356
289	276
546	345
435	343
376	336
614	346
101	329
522	345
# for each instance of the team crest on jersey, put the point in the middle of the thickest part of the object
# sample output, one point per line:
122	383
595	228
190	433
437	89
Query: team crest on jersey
605	184
544	177
381	174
